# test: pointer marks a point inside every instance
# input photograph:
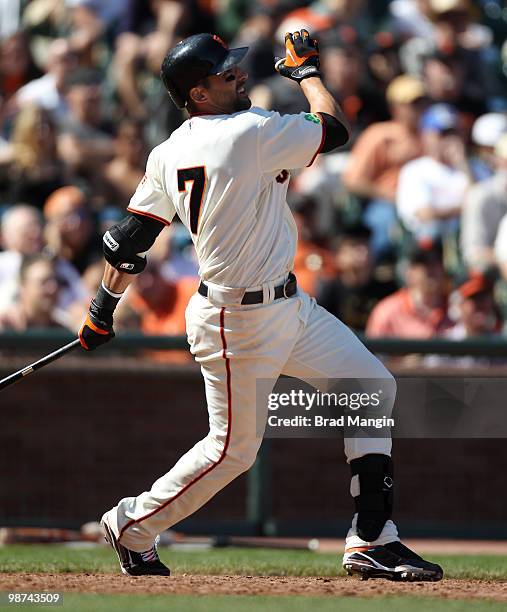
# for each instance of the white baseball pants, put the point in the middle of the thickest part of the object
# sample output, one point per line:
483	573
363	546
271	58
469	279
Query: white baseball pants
236	346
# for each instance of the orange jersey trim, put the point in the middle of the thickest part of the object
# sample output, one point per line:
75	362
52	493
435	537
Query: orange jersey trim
150	215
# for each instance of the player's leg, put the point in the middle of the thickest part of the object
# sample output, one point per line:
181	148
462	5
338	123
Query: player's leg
234	349
327	350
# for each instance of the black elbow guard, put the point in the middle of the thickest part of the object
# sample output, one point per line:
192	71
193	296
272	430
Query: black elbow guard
336	133
123	243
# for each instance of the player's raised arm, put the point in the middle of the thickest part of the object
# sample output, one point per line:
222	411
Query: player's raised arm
301	64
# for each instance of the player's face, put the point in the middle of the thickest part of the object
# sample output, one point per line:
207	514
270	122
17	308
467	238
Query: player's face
226	92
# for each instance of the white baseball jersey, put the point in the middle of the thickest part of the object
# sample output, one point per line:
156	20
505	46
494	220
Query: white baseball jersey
226	176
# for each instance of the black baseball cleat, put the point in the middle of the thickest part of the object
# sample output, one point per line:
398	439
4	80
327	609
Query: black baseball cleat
393	561
133	563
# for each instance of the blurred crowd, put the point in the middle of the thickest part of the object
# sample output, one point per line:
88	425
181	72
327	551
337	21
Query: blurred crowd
402	233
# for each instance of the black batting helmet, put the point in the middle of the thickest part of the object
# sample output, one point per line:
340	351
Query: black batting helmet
193	59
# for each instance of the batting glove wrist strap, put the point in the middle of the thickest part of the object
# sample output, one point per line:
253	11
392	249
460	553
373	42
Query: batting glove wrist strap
303	72
301	59
102	317
97	328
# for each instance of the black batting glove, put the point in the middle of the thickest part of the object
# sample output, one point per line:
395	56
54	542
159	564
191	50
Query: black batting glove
301	59
97	328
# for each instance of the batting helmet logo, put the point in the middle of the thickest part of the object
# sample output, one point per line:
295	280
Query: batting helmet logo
219	40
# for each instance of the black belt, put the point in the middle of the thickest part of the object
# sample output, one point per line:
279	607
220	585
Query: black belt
287	290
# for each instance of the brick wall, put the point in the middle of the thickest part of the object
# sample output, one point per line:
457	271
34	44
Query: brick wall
79	435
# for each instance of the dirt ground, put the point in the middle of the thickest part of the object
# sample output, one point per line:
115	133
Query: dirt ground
250	585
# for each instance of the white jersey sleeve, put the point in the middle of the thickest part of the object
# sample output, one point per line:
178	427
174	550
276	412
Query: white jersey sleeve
290	141
150	198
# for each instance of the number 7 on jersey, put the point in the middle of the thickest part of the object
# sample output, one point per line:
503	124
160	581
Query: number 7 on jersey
197	176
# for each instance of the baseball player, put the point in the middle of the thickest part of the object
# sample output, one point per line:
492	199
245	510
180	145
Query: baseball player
225	173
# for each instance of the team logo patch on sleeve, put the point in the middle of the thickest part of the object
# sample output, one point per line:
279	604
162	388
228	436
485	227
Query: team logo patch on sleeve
312	117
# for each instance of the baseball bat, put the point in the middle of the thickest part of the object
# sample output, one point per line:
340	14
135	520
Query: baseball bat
33	367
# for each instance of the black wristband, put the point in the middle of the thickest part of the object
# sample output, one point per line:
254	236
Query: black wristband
102	307
104	299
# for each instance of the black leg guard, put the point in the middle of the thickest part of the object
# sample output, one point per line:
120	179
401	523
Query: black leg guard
372	489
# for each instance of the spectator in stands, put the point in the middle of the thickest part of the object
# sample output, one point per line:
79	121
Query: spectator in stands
419	309
379	154
312	262
33	170
9	17
411	19
160	303
453	52
85	142
257	32
384	59
38	296
472	307
16	64
432	189
286	98
483	233
92	19
500	246
22	236
322	182
125	171
354	291
69	228
344	66
176	252
87	21
137	62
322	15
444	77
100	146
92	276
20	233
48	91
486	132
